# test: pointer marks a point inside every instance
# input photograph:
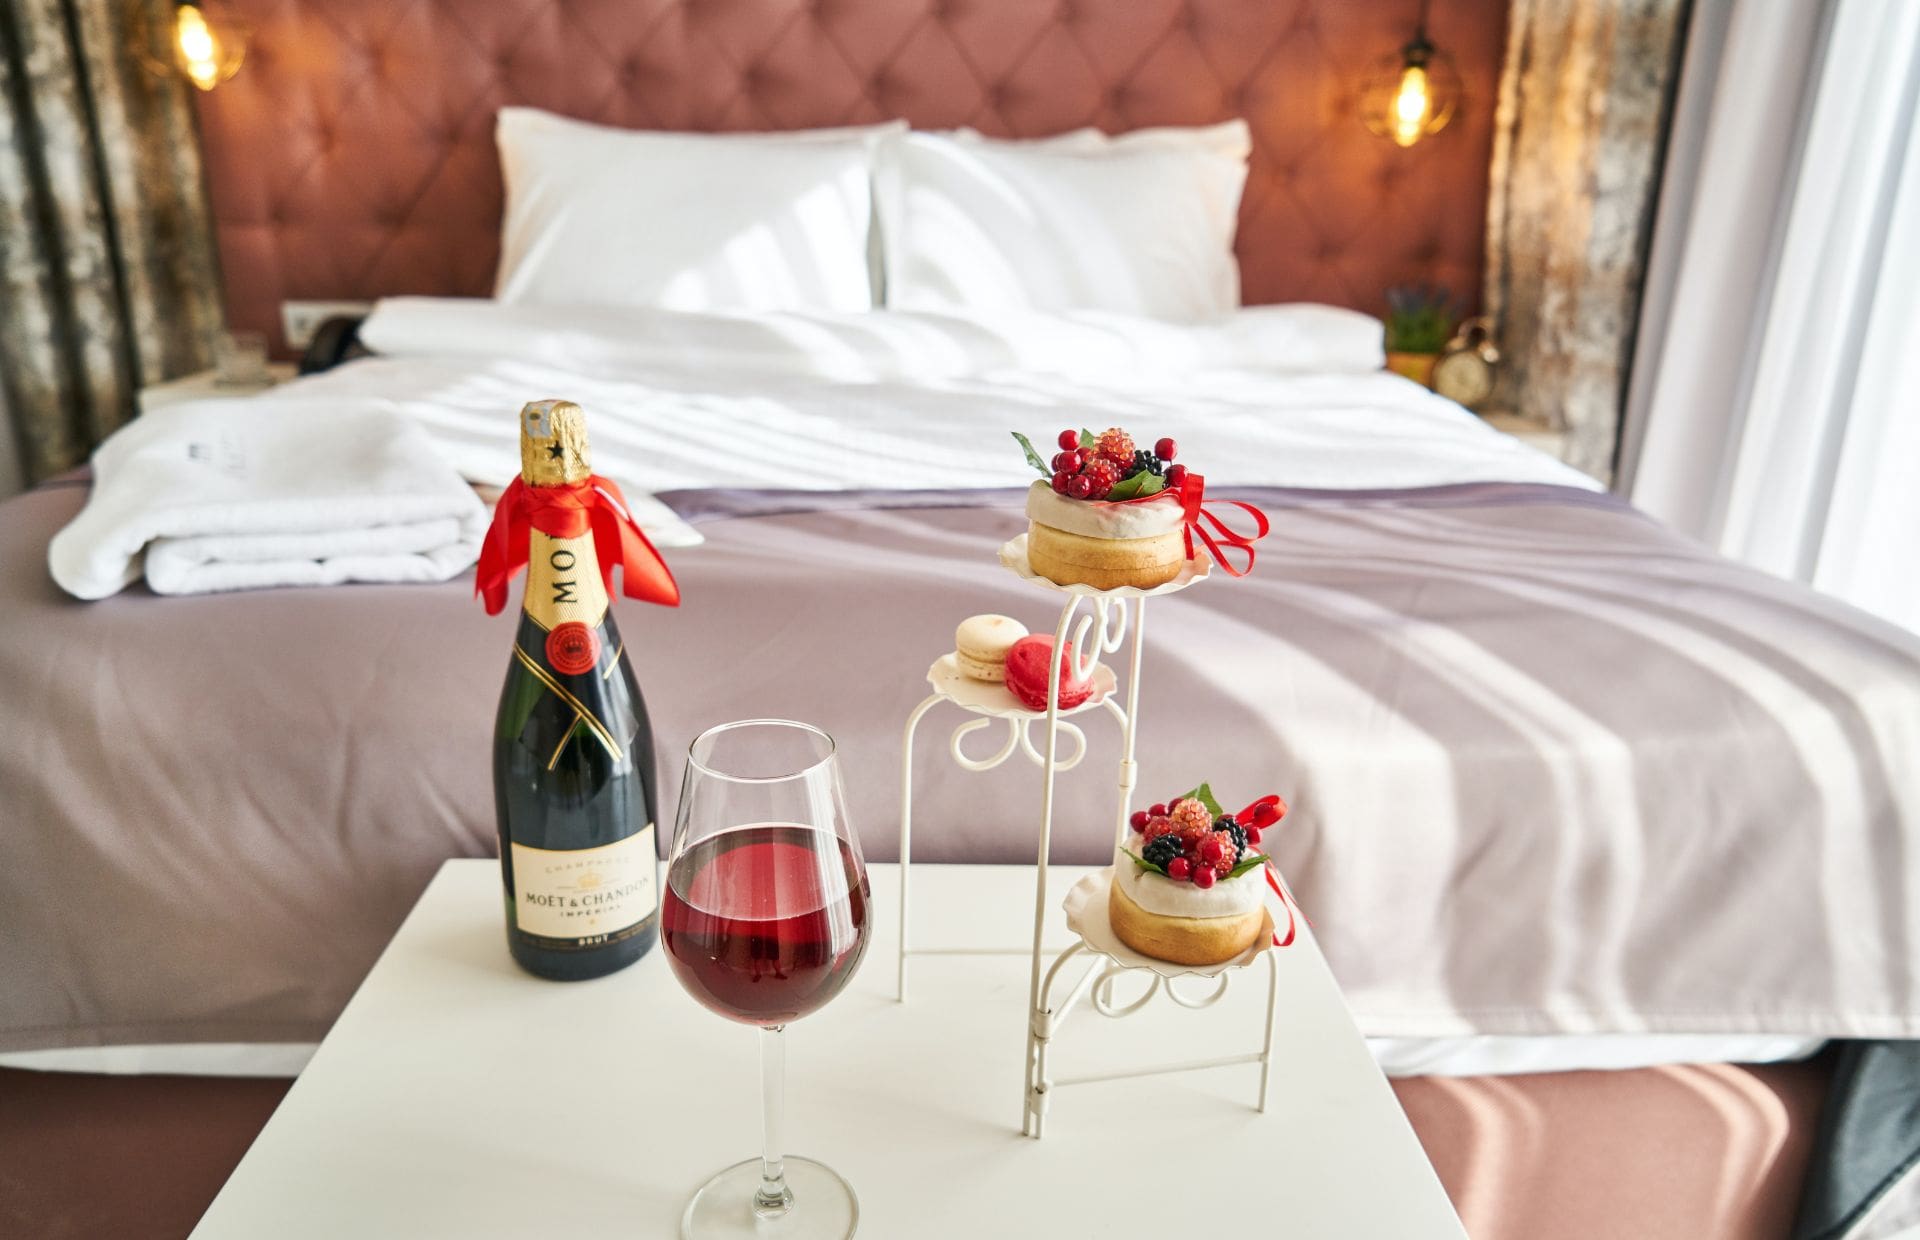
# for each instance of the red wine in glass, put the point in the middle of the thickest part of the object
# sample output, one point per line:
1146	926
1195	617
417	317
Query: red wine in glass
766	923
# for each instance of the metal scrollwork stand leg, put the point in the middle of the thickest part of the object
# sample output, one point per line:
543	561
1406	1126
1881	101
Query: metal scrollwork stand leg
1104	631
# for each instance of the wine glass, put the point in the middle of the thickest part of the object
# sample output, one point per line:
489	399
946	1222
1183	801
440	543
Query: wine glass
765	919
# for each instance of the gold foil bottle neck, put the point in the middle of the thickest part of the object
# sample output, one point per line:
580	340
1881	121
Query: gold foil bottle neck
553	443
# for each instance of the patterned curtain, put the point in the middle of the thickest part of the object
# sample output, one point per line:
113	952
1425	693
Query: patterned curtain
107	270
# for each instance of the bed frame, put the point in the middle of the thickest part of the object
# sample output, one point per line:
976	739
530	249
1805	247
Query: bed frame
352	157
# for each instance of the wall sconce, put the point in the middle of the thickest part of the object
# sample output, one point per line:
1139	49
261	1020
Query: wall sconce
203	42
1413	92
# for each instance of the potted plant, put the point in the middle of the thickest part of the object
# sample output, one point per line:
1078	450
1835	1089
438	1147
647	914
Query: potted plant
1419	322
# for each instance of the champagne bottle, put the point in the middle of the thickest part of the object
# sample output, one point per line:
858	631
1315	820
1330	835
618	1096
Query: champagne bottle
573	771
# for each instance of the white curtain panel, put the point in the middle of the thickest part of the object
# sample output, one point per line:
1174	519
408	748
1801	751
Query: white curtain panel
1775	405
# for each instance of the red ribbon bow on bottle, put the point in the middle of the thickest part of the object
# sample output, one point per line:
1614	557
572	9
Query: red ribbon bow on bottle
568	511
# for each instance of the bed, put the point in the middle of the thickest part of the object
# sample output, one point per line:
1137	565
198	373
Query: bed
1530	734
1570	791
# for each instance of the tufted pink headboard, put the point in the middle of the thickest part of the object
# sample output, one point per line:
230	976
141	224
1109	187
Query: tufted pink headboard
352	157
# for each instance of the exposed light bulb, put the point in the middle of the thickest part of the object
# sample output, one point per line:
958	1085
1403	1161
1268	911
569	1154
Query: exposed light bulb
199	50
1412	106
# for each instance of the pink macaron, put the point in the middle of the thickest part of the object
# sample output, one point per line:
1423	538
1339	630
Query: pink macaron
1027	674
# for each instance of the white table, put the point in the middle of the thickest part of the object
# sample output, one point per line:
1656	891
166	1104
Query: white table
458	1097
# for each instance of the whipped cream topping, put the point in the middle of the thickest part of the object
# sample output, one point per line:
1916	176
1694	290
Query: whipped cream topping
1156	893
1098	519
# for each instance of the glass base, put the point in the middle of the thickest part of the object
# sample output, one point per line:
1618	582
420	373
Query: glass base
824	1207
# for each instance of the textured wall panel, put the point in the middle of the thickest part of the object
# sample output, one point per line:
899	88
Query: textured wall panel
353	155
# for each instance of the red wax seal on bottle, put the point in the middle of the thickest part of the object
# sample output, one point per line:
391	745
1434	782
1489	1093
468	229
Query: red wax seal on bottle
572	648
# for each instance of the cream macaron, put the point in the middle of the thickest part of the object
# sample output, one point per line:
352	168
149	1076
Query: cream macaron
981	643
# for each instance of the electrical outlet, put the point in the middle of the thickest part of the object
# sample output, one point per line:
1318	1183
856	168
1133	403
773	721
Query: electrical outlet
300	319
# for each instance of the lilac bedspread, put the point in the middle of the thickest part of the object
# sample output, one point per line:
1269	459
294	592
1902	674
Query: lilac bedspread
1554	769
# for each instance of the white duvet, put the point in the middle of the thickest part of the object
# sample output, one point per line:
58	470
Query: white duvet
1281	395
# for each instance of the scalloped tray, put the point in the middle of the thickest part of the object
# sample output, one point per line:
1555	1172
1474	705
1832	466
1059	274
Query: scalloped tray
994	699
1086	906
1013	554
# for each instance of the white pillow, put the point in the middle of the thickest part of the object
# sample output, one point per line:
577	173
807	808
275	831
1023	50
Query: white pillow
1229	139
684	221
1141	224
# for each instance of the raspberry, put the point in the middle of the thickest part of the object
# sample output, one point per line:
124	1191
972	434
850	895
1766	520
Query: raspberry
1103	475
1229	855
1139	820
1178	869
1116	445
1157	827
1190	815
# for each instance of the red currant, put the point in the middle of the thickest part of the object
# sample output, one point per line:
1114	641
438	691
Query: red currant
1203	877
1210	850
1176	474
1079	486
1061	481
1157	811
1164	449
1178	869
1069	439
1253	834
1139	820
1066	462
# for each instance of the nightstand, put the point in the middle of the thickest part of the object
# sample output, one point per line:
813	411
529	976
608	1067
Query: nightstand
1534	432
206	385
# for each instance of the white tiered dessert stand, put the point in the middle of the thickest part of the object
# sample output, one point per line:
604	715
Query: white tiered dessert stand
1086	905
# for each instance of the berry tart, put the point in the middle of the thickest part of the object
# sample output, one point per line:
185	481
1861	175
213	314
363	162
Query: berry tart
1108	514
1187	885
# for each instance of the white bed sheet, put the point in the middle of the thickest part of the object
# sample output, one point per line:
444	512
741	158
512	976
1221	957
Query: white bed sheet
1269	396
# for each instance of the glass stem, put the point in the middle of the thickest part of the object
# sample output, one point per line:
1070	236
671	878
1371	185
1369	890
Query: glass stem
773	1197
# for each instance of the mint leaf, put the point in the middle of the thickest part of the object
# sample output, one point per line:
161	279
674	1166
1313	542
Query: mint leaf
1033	458
1252	861
1144	864
1139	486
1088	439
1204	795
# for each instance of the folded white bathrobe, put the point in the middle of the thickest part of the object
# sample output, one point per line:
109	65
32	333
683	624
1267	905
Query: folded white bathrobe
233	495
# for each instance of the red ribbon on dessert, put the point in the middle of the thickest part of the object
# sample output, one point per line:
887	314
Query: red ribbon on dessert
1192	493
1279	889
1192	489
568	511
1251	815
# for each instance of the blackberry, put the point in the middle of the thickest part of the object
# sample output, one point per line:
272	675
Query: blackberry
1145	460
1162	851
1233	829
